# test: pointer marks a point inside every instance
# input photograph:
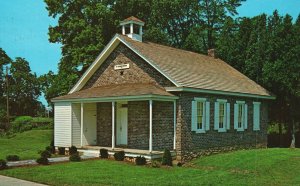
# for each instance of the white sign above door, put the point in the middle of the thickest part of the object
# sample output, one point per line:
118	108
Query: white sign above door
121	67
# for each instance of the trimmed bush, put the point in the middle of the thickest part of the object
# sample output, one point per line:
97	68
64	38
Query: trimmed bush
12	158
73	150
3	164
167	158
140	160
45	154
179	164
103	153
61	150
50	149
119	156
155	164
42	161
75	157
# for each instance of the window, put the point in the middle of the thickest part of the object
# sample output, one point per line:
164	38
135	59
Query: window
222	115
200	115
240	115
256	115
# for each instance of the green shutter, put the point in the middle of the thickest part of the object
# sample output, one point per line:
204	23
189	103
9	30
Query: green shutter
207	115
246	116
194	116
236	113
216	125
256	116
227	116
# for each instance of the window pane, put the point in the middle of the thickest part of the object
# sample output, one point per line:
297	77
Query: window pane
221	115
200	108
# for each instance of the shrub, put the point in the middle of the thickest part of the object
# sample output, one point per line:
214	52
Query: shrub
140	160
155	164
73	150
103	153
61	150
45	154
75	157
3	164
21	124
119	156
167	158
50	149
179	164
12	158
42	161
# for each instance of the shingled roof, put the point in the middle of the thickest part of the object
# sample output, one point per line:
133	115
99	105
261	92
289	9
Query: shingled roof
193	70
133	89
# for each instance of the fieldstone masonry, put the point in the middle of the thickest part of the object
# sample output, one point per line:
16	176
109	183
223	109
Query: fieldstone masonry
138	125
139	71
190	144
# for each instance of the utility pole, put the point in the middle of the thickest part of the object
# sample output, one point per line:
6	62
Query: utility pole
7	98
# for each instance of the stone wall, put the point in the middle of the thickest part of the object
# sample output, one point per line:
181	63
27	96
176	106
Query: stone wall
139	71
104	127
138	125
189	142
162	125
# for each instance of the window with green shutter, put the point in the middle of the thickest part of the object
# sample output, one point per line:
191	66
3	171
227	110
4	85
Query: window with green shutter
200	116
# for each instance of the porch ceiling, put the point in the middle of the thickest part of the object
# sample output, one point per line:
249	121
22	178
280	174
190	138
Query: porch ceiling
118	91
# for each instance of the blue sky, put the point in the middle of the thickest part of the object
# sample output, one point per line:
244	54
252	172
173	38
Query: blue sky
24	28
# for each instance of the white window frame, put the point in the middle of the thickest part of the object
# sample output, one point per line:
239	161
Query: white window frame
256	116
205	115
226	114
244	117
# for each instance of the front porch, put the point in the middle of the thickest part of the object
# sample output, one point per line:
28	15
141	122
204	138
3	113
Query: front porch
139	118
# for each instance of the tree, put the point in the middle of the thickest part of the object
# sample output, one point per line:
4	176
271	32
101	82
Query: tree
24	89
4	60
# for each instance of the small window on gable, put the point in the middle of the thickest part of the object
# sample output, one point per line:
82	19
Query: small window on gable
240	116
222	115
256	115
200	115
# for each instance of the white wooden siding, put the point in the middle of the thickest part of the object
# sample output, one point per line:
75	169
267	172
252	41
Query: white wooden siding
76	128
62	124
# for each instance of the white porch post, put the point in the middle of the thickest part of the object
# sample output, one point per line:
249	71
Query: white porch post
174	147
150	125
81	124
113	126
123	30
131	28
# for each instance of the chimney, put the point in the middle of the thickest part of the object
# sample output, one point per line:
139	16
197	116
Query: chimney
132	27
211	53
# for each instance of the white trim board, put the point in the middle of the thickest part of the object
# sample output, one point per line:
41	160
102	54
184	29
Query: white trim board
114	42
218	92
121	98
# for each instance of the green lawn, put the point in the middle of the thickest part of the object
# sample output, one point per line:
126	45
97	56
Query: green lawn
26	144
249	167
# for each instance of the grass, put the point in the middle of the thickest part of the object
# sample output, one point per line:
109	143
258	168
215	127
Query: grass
246	167
26	145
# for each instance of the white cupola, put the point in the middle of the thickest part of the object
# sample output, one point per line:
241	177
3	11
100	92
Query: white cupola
132	27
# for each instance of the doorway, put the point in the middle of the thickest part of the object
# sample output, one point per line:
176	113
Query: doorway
122	123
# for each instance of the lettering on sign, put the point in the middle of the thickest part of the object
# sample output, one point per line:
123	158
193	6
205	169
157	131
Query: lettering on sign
122	66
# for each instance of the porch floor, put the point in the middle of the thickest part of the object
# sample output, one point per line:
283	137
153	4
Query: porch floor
128	152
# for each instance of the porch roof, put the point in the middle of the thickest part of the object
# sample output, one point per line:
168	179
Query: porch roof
118	91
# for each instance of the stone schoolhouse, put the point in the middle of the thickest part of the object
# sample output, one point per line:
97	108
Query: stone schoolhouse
143	97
